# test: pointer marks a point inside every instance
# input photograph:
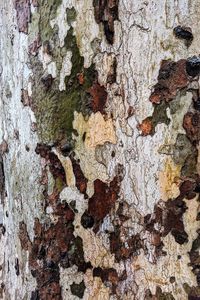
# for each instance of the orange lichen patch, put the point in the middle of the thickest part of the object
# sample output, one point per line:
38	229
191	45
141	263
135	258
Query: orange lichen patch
99	97
146	126
168	180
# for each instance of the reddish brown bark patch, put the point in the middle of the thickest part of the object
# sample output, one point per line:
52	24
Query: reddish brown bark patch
4	147
106	12
99	97
52	160
188	189
24	237
33	48
191	124
23	14
172	77
54	244
108	275
170	218
81	181
124	250
81	79
104	198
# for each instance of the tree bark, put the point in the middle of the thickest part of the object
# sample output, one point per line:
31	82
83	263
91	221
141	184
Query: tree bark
99	143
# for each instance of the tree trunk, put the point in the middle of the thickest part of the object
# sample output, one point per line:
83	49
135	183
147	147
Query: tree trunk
99	141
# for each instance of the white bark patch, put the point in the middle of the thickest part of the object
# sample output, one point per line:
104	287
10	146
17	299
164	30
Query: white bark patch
22	168
98	253
70	194
104	62
61	21
85	27
67	277
66	70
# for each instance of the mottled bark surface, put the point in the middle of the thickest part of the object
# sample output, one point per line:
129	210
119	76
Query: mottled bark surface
99	149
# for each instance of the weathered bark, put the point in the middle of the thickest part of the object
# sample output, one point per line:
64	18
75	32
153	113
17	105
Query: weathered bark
99	142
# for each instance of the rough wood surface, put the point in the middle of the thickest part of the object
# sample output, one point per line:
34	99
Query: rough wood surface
99	142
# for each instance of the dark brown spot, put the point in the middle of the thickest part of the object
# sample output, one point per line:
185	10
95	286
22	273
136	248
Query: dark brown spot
170	218
172	279
81	180
87	221
17	266
106	12
78	289
47	81
193	66
35	295
54	163
185	33
112	74
107	275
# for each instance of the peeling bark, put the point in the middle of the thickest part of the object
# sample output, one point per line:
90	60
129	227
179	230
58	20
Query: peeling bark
99	149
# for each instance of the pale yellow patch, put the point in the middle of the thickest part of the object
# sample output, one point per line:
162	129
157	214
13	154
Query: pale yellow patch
95	289
93	131
99	131
93	247
168	180
67	165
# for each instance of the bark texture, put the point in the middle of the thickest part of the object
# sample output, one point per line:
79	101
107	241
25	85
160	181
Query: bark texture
99	143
